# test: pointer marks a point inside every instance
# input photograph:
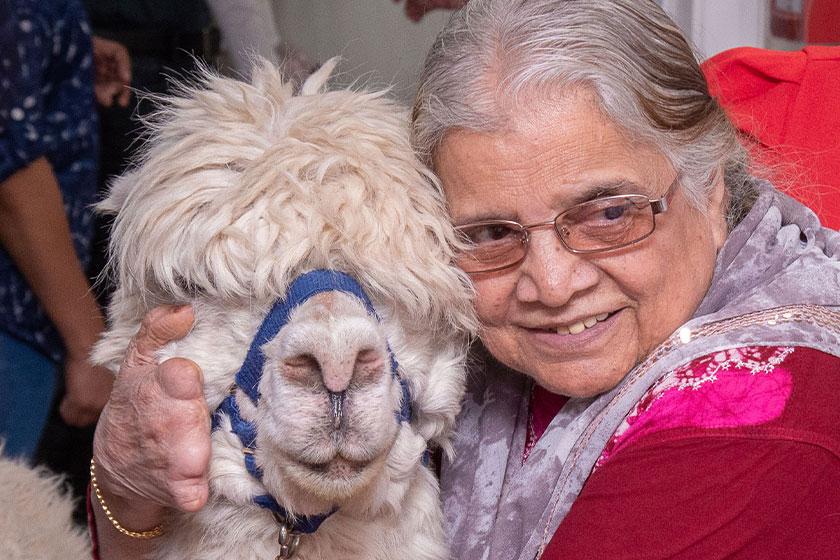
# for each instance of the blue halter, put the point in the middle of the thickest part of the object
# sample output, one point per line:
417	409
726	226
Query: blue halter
249	375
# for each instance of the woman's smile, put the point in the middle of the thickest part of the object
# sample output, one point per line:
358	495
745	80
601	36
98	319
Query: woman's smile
580	336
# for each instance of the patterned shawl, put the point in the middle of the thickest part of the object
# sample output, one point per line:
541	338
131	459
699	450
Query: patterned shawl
776	282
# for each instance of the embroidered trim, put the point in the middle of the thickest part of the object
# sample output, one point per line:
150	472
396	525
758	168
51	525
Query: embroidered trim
531	437
694	376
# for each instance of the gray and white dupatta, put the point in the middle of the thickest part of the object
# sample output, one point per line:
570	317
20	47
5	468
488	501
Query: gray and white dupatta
776	282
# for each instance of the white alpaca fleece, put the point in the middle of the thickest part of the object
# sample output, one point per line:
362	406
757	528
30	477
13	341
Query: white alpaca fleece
36	518
242	188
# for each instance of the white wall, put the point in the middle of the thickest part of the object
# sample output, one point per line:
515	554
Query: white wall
379	44
716	25
382	47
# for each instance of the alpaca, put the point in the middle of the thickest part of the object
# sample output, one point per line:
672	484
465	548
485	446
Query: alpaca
248	195
36	520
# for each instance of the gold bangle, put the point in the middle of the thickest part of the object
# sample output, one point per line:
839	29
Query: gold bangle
150	534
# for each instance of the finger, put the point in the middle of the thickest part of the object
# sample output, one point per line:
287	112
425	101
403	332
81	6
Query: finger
103	97
190	450
76	415
124	96
190	495
67	412
181	379
188	480
160	326
123	62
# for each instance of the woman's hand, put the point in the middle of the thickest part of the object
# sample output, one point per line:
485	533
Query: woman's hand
152	443
112	72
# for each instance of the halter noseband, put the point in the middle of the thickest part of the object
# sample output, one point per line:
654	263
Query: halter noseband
248	379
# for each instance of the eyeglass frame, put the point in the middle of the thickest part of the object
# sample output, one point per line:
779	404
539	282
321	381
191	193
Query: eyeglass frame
658	206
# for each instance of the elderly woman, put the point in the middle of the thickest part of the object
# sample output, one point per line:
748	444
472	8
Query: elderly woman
659	368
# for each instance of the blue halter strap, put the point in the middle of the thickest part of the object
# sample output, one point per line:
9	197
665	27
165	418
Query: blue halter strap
248	378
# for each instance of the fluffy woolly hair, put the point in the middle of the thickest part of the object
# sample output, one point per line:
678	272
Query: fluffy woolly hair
242	188
36	517
303	163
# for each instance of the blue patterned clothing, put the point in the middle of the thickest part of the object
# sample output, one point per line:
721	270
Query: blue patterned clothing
46	109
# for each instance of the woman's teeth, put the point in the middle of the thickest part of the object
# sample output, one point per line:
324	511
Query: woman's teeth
580	326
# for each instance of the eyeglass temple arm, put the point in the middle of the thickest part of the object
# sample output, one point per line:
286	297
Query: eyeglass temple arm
659	206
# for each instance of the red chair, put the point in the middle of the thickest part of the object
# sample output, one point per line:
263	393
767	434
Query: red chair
787	106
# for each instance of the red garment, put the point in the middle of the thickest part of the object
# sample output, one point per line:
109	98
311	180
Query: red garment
542	409
789	104
91	521
735	458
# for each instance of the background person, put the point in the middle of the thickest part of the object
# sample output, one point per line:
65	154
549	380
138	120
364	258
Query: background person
136	43
48	318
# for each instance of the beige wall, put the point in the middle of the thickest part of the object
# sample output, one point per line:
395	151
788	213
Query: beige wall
379	45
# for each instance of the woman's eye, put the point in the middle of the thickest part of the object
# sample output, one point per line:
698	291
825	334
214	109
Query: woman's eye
615	211
488	233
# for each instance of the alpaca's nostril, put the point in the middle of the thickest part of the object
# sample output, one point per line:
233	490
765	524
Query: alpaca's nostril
303	361
369	365
302	368
368	356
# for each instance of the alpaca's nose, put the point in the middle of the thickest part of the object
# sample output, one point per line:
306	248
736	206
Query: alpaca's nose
331	336
337	364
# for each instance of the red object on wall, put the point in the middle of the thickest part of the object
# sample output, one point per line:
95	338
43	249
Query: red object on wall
787	104
822	22
809	21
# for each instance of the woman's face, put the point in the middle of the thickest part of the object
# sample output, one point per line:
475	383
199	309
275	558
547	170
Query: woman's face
554	155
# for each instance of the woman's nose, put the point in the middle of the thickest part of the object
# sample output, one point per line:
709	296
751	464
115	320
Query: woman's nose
550	274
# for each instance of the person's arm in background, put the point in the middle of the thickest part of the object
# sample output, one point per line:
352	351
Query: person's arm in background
35	232
247	29
34	228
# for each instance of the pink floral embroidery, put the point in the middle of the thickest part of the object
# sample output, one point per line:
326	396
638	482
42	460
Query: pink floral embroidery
736	387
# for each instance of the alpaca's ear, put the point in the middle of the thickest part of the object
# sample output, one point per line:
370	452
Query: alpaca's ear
118	192
317	82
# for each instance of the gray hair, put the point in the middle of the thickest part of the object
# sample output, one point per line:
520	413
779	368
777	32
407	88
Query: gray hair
643	72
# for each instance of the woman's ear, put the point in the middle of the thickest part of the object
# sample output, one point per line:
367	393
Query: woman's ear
717	210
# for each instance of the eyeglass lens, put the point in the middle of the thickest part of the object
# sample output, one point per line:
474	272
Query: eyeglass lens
597	225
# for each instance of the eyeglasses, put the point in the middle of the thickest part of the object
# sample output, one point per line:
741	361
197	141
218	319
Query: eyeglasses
603	224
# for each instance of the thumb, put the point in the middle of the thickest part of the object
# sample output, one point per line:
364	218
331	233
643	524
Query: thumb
74	414
160	326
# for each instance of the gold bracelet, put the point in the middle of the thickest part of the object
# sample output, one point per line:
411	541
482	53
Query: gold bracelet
150	534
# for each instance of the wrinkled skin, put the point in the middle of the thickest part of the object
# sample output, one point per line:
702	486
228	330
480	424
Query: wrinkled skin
155	430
